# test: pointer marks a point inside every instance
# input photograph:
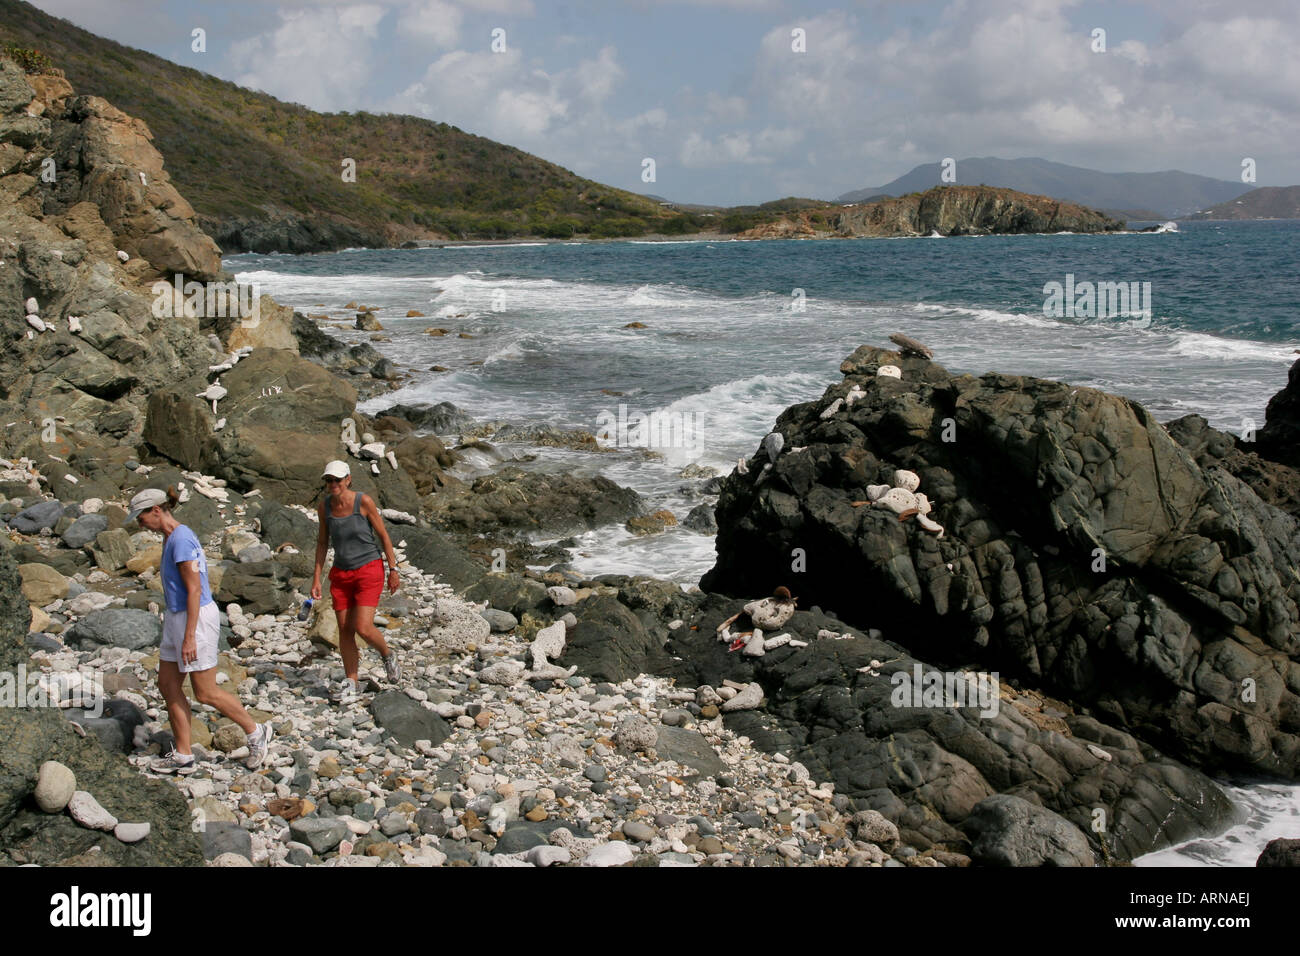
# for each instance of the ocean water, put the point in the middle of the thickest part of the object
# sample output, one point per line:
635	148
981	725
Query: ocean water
735	332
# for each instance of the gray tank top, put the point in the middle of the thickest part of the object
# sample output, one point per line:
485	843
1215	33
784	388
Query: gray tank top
352	537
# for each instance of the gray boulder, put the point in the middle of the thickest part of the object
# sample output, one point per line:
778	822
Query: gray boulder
406	720
1010	831
38	517
83	531
321	834
116	627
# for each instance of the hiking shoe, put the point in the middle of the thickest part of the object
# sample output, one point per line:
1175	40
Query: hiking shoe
257	745
175	763
347	692
392	669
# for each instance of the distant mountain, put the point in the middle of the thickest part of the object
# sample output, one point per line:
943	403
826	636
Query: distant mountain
1267	202
1169	194
265	175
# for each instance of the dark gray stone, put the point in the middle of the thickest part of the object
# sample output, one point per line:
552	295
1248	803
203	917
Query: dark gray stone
406	720
1010	831
83	531
116	627
222	837
321	835
33	519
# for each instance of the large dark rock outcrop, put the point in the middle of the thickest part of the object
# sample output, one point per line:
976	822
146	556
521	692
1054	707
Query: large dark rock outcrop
1085	551
928	768
1279	439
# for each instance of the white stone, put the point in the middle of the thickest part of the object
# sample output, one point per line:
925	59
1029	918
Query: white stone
123	257
874	492
55	785
832	408
769	613
889	371
372	450
502	673
74	323
897	500
930	525
36	322
561	596
31	305
615	853
547	855
907	480
131	832
748	699
772	444
86	810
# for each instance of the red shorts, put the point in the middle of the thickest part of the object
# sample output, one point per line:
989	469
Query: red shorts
360	587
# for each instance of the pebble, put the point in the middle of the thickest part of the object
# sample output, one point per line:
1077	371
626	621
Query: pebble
615	853
131	832
55	785
86	810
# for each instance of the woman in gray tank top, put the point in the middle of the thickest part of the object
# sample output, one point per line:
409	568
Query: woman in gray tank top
350	522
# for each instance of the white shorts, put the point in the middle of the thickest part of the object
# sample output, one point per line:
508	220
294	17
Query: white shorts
206	635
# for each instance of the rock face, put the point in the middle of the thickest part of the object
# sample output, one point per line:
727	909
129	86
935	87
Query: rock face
1084	550
29	737
971	210
81	181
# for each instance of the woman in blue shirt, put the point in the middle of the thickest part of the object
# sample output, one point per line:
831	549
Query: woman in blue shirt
191	631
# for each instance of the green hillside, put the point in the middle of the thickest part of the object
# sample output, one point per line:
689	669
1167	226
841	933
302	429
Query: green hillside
264	174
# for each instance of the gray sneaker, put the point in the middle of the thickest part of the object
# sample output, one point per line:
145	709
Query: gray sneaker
175	763
392	669
257	745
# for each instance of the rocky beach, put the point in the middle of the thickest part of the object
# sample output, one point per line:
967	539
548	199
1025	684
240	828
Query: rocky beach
1091	613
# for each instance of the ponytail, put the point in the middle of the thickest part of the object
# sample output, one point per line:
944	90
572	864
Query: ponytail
173	499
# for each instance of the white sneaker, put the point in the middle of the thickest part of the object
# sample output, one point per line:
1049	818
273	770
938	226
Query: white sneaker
347	692
257	745
182	764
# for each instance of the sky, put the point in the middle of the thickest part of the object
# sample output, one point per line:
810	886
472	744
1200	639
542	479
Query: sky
744	101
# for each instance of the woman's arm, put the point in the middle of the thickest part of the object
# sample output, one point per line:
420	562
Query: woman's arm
322	545
194	592
369	509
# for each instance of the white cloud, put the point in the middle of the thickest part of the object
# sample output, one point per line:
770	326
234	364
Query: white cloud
319	58
434	20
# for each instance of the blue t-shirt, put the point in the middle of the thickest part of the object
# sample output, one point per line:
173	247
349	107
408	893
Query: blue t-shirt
183	545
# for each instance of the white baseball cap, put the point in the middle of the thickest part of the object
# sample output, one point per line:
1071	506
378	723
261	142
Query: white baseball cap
144	500
336	469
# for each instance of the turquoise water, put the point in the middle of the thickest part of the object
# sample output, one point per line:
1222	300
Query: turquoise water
724	351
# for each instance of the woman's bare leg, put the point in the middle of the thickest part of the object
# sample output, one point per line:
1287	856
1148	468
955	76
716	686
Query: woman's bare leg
170	680
207	691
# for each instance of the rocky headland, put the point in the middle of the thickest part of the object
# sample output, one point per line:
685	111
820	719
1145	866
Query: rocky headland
551	718
945	211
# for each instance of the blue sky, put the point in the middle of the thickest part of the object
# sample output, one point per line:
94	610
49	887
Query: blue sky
714	92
